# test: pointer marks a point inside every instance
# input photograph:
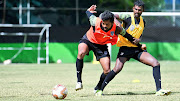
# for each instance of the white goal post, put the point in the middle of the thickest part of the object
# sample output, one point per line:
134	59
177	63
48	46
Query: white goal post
45	29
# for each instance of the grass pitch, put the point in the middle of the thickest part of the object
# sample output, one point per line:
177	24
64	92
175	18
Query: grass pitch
32	82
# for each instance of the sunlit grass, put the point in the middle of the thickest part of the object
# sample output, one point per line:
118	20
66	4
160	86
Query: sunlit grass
32	82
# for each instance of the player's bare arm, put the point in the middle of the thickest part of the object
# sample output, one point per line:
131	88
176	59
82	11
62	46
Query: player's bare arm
122	31
90	15
117	16
121	16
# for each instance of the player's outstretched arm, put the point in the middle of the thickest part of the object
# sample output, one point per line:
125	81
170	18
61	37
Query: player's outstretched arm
121	16
90	15
92	9
117	16
117	22
121	31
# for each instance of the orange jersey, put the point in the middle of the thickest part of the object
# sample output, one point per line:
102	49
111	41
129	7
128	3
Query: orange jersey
101	37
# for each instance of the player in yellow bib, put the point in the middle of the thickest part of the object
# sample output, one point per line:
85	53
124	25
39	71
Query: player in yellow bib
132	28
134	25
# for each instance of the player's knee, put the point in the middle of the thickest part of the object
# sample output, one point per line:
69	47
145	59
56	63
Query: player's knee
117	69
155	63
106	71
81	54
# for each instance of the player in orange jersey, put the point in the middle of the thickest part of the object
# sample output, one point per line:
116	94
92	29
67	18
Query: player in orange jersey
134	25
102	31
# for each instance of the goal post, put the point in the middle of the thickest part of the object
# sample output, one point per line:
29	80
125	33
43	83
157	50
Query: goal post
44	29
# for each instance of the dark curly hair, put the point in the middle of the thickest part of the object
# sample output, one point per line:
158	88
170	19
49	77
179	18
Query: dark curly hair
139	3
107	15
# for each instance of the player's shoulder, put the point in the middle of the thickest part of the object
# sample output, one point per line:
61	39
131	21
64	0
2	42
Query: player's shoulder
124	16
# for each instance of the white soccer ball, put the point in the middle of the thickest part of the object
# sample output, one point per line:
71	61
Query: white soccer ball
6	62
59	92
59	61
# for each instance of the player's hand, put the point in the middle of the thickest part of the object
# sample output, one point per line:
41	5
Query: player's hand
92	9
143	47
136	41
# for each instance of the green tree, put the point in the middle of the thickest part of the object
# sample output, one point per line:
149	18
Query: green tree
126	5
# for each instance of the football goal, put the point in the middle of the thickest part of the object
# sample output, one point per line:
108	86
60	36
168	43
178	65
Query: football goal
25	30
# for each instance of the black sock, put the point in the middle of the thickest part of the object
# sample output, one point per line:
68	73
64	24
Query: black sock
108	78
79	67
157	77
103	76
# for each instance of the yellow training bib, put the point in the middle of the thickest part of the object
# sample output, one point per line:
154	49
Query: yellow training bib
134	30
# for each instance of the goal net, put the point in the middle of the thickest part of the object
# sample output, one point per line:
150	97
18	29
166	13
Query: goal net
19	33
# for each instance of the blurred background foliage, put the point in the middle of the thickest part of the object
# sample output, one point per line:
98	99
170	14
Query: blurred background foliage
68	12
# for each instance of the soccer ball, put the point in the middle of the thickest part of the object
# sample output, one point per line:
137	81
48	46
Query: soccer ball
59	92
59	61
6	62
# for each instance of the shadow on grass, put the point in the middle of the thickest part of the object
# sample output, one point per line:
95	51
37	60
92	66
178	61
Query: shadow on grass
175	92
8	97
130	93
45	94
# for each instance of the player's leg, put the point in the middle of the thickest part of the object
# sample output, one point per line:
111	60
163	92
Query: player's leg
148	59
82	51
102	55
118	67
105	63
119	64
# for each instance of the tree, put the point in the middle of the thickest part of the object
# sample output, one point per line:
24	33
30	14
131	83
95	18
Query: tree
126	5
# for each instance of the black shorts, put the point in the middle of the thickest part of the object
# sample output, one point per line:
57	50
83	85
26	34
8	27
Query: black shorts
100	51
130	52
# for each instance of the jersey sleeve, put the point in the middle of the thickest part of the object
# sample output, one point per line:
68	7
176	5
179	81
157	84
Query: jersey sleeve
123	16
92	20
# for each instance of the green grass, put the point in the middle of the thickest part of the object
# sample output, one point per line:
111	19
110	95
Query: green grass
32	82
